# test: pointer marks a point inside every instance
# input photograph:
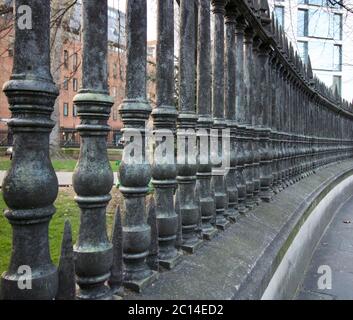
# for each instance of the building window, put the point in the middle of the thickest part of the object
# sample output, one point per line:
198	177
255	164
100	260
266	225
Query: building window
279	13
66	58
316	2
66	83
150	51
337	26
302	23
303	50
115	70
337	57
113	92
320	24
74	111
75	61
337	82
115	114
321	3
66	109
321	54
75	84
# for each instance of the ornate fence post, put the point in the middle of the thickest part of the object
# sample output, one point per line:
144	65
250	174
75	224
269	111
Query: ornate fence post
249	165
204	82
256	122
240	114
164	116
221	197
135	171
187	120
274	121
31	94
264	112
230	63
93	177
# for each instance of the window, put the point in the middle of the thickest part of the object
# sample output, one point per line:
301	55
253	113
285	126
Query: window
66	83
337	26
66	109
11	50
75	84
113	89
317	2
337	57
302	30
320	24
150	51
66	58
115	114
74	111
115	70
337	82
303	50
279	14
321	54
75	62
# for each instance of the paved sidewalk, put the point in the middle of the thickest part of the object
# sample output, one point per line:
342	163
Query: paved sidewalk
335	253
65	178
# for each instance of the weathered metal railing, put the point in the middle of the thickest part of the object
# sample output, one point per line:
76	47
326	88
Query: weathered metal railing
281	123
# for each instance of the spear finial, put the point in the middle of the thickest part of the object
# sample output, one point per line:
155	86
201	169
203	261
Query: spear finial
66	269
116	273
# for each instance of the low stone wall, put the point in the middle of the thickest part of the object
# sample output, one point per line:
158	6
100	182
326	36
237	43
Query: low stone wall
241	261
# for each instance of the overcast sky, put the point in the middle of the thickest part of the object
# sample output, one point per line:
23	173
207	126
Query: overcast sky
151	15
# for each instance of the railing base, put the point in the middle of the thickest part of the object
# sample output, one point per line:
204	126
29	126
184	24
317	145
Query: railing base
139	285
169	264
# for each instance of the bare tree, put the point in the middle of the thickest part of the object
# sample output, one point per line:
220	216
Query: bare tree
341	3
61	33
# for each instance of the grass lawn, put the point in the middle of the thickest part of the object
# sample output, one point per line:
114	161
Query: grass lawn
66	209
59	165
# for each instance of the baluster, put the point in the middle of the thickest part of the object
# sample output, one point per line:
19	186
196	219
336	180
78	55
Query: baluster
221	197
274	117
31	95
135	170
240	115
254	101
204	124
277	121
230	63
249	134
187	120
93	177
264	112
164	118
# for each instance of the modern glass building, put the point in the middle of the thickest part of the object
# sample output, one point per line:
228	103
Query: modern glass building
325	32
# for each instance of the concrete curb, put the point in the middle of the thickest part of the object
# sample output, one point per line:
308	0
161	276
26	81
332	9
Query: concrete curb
240	262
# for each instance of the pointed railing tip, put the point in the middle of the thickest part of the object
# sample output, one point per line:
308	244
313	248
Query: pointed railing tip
310	71
265	8
116	273
152	259
66	269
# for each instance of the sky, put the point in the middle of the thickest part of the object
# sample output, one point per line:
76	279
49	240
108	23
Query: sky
151	16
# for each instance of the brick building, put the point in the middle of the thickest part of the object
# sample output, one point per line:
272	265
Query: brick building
70	73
